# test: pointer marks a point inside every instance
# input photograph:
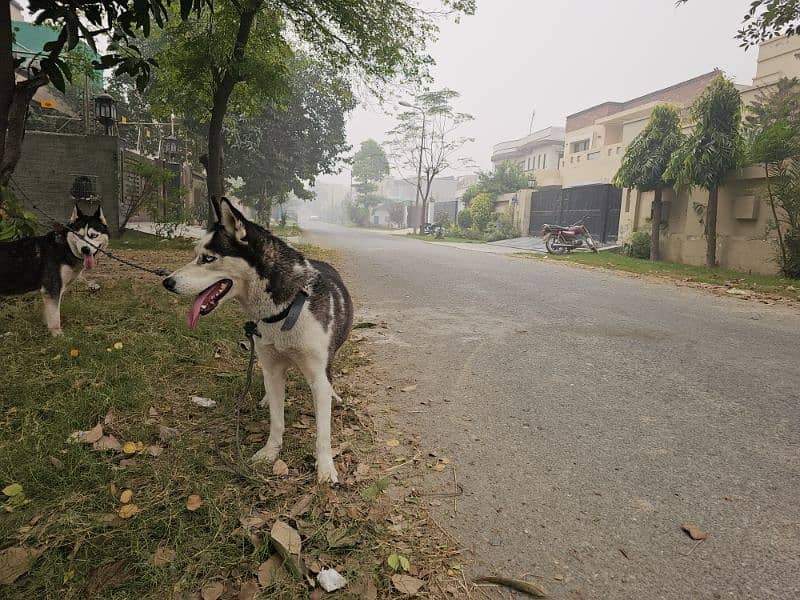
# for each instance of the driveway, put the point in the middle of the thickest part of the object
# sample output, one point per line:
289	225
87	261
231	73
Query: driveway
589	415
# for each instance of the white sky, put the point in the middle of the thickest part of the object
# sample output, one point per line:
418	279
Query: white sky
561	56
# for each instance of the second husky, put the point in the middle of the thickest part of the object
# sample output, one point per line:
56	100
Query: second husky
302	307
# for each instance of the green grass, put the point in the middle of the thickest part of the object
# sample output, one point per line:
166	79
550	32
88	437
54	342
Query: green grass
47	394
430	238
768	284
137	240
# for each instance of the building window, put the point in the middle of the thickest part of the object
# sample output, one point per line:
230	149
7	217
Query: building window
609	151
593	155
580	146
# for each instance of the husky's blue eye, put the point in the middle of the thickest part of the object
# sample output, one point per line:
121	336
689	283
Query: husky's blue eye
208	258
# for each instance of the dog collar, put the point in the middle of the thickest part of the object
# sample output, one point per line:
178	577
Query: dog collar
291	313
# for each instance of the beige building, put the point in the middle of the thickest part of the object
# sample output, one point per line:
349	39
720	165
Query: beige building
745	241
538	154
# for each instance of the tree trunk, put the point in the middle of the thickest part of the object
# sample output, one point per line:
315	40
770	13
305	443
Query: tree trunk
711	227
6	75
269	211
224	83
781	243
655	225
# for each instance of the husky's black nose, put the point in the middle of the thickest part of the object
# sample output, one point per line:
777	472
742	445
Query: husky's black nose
169	283
85	250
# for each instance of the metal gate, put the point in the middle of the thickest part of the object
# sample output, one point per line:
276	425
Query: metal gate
600	204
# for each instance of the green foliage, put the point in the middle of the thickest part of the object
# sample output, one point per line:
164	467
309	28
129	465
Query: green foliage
646	158
503	228
481	210
370	164
15	221
442	219
638	246
398	561
464	218
773	131
766	19
507	177
715	145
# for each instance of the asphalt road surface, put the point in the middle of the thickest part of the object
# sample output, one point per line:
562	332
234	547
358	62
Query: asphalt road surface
590	415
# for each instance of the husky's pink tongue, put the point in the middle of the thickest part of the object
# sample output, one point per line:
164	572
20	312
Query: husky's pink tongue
194	311
89	262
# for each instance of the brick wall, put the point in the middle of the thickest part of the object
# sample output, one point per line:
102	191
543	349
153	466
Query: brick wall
49	164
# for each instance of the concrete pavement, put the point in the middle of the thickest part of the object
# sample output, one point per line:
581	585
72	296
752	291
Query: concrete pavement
590	415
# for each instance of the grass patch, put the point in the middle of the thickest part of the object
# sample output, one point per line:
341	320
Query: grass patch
766	284
430	238
137	240
74	490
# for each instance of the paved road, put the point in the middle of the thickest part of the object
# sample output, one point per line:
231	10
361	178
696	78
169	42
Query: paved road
591	414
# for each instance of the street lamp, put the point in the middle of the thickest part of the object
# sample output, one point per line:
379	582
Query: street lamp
419	165
105	110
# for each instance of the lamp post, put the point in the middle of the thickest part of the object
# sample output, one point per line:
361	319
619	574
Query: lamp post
105	110
419	165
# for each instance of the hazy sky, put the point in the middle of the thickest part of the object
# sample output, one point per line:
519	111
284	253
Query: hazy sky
561	56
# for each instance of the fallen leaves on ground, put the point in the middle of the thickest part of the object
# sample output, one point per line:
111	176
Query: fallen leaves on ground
194	502
107	576
162	556
165	433
87	437
249	590
280	468
301	506
268	569
375	489
212	591
126	496
392	443
694	531
126	511
406	584
287	542
107	442
15	562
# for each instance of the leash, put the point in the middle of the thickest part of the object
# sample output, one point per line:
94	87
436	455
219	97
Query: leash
157	272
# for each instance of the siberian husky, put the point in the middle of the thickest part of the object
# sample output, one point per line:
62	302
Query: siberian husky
51	262
302	308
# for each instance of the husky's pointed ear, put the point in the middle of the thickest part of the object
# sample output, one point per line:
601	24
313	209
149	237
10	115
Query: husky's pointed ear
98	214
76	214
215	207
233	221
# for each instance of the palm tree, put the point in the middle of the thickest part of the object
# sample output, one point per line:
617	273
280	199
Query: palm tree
646	159
713	149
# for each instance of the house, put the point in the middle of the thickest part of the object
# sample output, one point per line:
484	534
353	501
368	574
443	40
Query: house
538	154
745	239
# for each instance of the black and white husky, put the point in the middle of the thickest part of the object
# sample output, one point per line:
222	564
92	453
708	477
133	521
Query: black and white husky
51	262
303	310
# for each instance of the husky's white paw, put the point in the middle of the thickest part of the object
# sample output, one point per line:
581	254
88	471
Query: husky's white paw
56	332
266	454
326	472
264	402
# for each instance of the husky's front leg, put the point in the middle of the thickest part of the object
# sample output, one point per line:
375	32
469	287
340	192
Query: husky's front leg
322	390
275	387
52	312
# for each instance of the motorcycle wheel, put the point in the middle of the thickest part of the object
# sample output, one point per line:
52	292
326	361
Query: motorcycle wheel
549	244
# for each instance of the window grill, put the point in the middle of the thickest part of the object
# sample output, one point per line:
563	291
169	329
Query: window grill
84	188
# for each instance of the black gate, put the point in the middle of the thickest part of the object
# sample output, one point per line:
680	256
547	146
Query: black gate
599	203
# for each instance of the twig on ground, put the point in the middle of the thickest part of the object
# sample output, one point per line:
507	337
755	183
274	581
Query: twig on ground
403	464
455	486
515	584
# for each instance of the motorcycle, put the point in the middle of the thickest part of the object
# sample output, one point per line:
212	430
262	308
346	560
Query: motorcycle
559	239
433	229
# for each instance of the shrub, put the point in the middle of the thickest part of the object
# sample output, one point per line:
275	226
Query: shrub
472	234
503	228
442	219
638	246
464	218
791	266
481	210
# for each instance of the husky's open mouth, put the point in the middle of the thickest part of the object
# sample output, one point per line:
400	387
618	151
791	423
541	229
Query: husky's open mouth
207	301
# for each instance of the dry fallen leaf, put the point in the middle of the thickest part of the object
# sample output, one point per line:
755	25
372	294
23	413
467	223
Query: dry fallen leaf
194	502
153	412
301	506
268	569
118	346
392	443
15	562
107	442
129	447
87	437
249	590
126	496
409	388
127	511
162	556
406	584
212	591
286	541
165	433
74	353
155	450
280	468
694	531
106	576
